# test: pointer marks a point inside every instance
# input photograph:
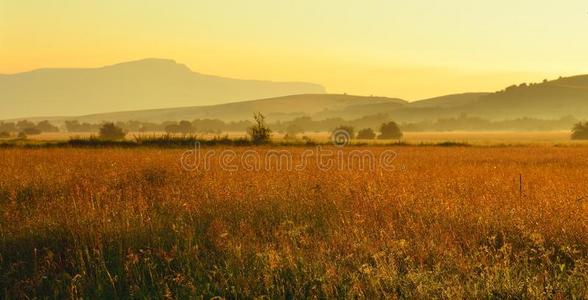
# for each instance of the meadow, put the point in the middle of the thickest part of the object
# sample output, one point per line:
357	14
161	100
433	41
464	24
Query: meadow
444	222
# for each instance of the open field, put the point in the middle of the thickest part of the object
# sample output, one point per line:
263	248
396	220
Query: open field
457	222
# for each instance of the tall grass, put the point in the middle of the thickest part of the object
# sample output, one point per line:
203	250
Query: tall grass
447	223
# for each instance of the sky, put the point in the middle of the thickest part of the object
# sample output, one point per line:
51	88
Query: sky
407	49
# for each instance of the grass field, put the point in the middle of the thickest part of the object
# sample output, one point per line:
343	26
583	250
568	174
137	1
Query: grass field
444	222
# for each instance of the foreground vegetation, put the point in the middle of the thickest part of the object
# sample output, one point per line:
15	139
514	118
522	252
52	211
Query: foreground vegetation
446	223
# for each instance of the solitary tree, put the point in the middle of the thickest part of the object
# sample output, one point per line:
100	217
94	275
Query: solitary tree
580	131
260	133
366	134
111	132
390	131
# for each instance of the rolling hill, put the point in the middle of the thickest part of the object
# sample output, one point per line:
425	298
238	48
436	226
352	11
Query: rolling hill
144	84
157	90
276	109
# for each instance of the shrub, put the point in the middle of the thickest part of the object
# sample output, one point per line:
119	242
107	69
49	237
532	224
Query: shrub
580	131
390	131
111	132
4	135
366	134
260	133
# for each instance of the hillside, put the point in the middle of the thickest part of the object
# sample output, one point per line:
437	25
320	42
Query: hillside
144	84
276	109
549	99
158	90
546	100
448	101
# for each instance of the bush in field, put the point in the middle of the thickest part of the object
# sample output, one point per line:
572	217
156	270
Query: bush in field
580	131
390	131
111	132
4	135
366	134
259	133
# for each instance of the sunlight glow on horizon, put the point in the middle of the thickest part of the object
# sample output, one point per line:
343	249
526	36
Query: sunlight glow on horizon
387	48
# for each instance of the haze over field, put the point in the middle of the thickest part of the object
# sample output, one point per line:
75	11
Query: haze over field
407	49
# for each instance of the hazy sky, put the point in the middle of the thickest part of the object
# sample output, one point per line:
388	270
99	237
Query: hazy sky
410	49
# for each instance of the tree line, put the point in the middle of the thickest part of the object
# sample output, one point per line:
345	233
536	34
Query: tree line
367	125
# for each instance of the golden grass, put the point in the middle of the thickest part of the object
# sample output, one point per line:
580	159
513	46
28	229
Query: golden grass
446	223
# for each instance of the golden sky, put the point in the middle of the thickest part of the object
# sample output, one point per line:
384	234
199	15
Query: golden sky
407	49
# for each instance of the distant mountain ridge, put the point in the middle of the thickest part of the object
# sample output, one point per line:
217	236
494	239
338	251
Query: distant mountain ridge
143	84
546	100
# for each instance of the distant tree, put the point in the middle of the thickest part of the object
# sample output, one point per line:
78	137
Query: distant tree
211	125
111	132
259	133
4	134
366	134
31	131
390	131
24	124
45	126
8	127
292	130
237	125
72	125
22	135
172	128
185	127
75	126
580	131
182	127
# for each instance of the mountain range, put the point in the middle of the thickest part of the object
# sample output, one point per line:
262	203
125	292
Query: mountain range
174	92
143	84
